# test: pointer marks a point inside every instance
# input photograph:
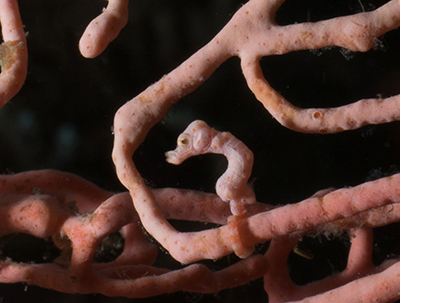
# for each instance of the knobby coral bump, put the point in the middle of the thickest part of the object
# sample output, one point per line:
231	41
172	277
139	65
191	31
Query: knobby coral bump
78	216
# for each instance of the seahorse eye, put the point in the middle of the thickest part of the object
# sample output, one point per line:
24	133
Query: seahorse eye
183	141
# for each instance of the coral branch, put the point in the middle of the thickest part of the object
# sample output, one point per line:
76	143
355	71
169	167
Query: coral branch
383	287
104	29
45	214
296	219
135	118
13	51
131	274
280	288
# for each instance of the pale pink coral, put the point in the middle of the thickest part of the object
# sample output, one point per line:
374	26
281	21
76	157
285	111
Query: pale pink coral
77	215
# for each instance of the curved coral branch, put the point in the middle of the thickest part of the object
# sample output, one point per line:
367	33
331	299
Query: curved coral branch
48	213
280	287
13	51
337	207
249	35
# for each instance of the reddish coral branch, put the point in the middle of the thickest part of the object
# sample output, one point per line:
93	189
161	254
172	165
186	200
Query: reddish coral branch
13	51
52	212
46	214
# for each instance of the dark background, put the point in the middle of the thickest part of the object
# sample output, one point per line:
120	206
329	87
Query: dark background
63	115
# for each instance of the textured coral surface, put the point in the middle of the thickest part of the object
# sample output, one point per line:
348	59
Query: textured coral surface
62	119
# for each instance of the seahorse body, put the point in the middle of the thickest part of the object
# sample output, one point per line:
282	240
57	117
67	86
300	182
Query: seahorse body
198	139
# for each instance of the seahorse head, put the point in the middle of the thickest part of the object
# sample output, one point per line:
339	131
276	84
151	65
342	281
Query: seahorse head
195	140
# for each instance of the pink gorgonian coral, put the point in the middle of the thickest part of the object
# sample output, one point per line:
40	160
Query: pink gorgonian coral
325	171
